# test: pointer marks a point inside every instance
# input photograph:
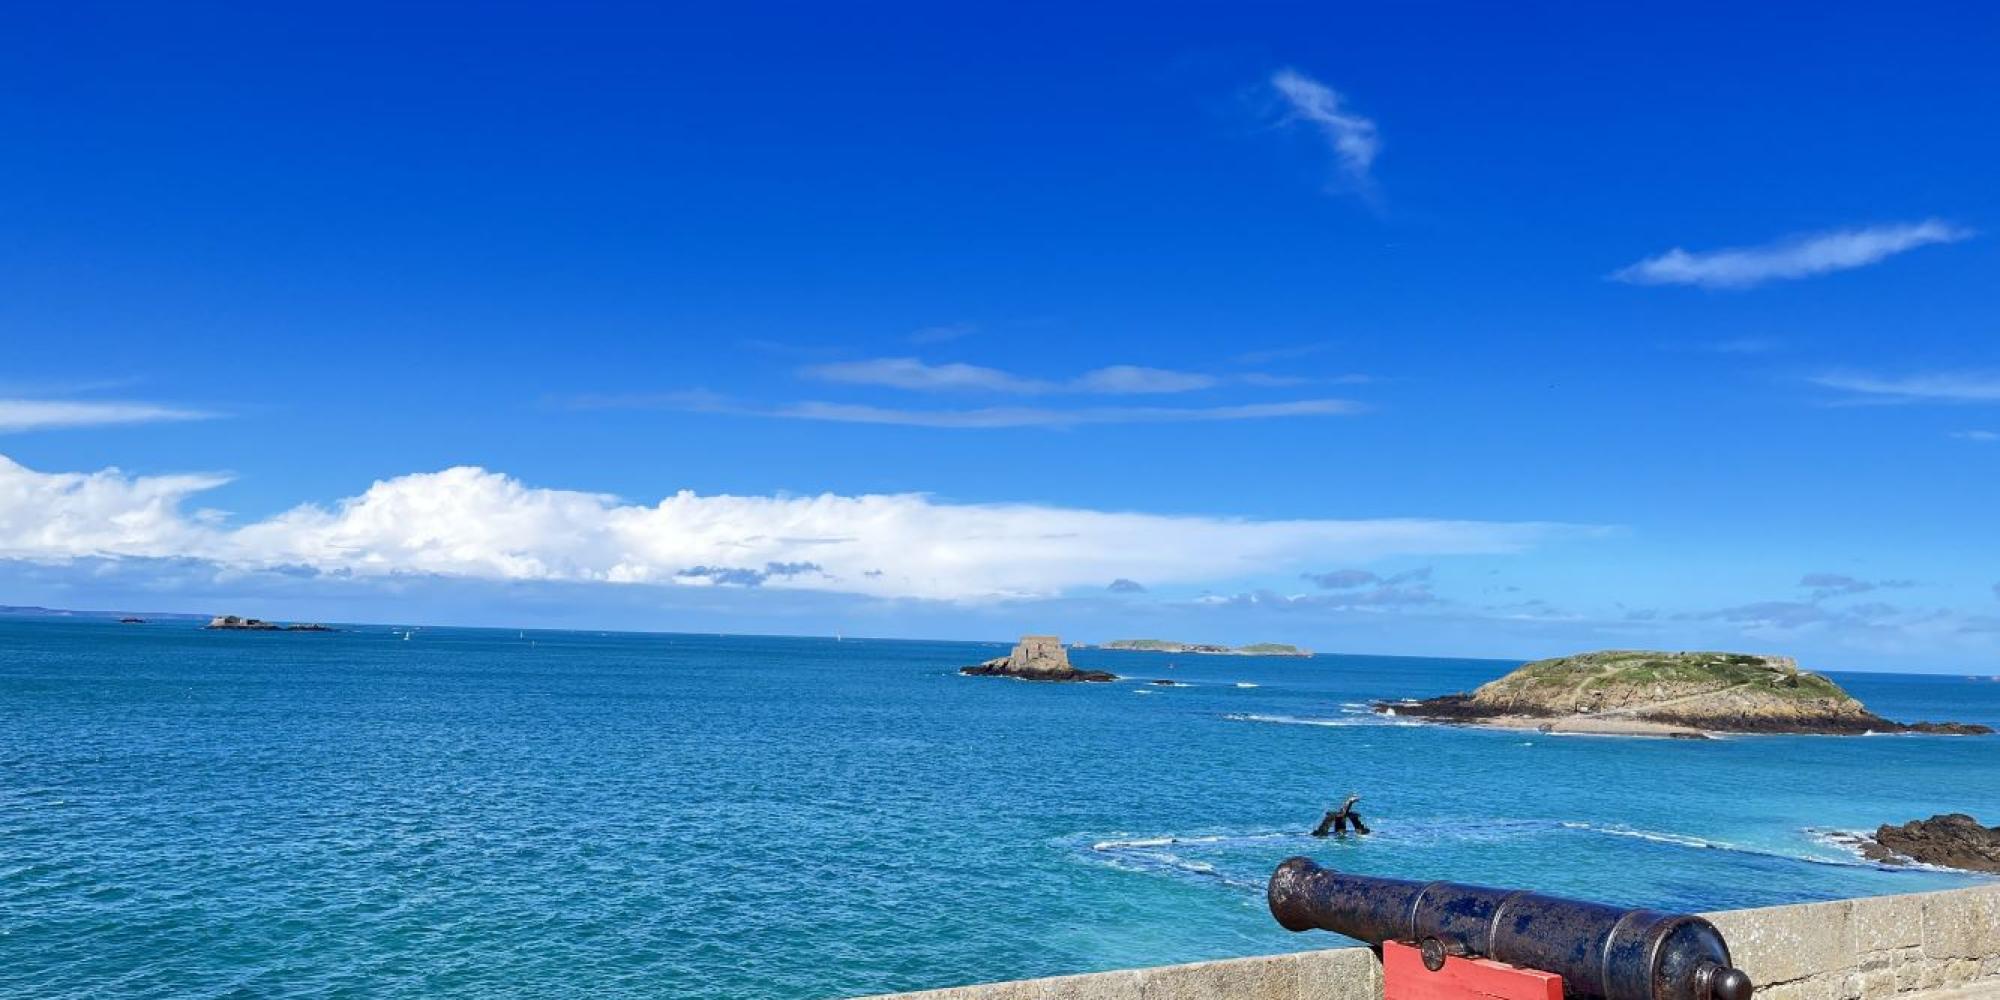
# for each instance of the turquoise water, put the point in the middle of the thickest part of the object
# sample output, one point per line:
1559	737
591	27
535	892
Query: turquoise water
489	813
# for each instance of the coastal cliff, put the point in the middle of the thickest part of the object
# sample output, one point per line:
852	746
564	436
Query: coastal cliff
1672	694
1036	658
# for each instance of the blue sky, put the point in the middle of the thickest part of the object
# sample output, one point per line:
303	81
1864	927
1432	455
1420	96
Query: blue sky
1425	328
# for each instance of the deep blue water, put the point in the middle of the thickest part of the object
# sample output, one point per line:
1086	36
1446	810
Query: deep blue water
492	813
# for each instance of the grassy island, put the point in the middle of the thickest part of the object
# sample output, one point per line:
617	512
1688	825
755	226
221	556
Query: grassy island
1641	692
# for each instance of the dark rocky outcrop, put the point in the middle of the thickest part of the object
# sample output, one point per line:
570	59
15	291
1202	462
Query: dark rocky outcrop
1950	840
1036	658
233	623
1667	694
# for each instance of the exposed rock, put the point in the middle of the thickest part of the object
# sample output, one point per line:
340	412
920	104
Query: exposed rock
242	624
1951	840
129	620
1669	694
236	624
1036	658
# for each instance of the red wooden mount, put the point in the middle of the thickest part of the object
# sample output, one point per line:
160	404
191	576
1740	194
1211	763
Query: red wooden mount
1404	977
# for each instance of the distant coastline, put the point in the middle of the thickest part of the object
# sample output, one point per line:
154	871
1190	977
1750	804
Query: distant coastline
1207	649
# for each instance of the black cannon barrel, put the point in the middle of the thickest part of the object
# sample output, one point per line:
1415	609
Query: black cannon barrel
1599	951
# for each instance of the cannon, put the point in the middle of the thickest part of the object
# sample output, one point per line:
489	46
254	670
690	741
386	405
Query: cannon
1601	952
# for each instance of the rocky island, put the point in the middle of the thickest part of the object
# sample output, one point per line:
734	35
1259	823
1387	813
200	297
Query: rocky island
236	624
1036	658
1951	840
1686	695
1163	646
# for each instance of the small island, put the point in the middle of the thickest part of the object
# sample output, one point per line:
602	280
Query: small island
1206	649
234	623
1684	695
1036	658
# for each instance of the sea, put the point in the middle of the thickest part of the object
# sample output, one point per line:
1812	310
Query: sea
398	811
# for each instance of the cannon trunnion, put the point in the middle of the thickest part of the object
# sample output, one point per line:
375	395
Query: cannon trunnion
1599	951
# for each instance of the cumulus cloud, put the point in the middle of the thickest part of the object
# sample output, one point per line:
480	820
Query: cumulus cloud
47	414
469	522
1354	139
1793	257
1933	387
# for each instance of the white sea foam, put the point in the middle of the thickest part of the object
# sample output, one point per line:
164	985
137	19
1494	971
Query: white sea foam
1289	720
1245	684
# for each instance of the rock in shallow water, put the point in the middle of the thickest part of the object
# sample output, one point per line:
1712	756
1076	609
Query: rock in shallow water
1952	840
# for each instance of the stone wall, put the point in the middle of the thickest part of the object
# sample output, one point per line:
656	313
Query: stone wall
1851	949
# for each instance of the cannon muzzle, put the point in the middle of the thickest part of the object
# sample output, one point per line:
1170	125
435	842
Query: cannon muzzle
1599	951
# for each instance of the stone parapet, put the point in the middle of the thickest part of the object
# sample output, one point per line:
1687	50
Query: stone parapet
1945	944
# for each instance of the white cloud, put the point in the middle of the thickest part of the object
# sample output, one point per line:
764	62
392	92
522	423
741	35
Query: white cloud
475	524
1792	257
47	414
1934	387
921	376
1031	416
62	515
1980	437
1353	138
1133	379
912	373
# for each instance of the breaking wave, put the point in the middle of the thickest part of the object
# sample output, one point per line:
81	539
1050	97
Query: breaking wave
1301	720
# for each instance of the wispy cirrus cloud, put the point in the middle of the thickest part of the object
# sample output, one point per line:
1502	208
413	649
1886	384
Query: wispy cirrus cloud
971	418
917	375
1977	437
472	523
1032	416
1265	356
1354	139
1929	387
1825	585
1800	256
941	333
50	414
